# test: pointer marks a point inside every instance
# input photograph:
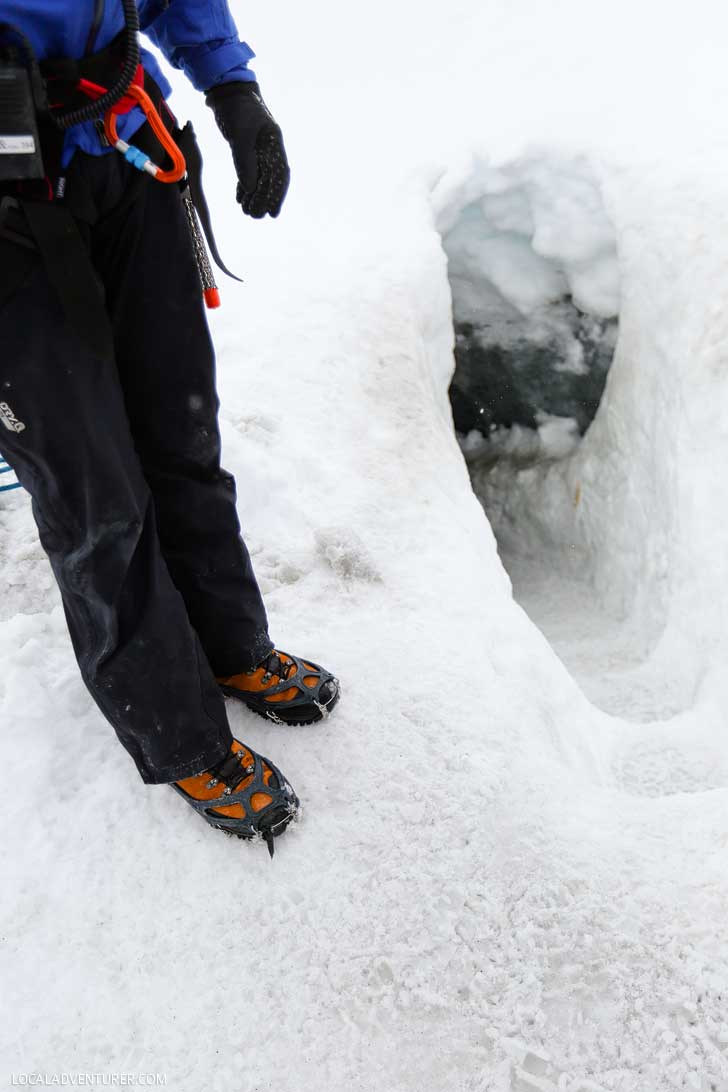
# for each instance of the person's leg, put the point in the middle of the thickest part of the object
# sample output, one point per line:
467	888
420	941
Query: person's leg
64	429
167	371
166	364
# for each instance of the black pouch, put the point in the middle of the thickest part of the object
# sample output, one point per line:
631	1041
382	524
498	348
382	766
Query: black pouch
20	89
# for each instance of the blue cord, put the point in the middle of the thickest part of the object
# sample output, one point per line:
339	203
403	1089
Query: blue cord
5	469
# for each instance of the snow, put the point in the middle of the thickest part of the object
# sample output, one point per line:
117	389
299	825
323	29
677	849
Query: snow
553	438
533	231
511	870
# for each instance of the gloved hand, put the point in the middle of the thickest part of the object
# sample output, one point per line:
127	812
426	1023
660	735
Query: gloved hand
257	146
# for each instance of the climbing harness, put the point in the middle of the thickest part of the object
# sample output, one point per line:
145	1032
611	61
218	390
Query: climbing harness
46	99
135	94
178	172
139	159
110	98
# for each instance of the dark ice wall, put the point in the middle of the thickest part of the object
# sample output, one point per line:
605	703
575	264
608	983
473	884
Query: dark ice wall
510	372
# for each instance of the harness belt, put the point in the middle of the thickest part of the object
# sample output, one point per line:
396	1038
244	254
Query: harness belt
51	218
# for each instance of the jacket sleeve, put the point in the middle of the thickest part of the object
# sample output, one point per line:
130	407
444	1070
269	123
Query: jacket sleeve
200	38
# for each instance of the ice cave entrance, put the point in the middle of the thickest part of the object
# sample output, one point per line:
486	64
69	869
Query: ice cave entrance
535	291
534	277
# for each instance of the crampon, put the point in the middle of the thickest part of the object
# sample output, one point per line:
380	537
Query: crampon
285	689
244	795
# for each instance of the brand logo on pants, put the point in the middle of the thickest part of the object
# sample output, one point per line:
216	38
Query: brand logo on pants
9	419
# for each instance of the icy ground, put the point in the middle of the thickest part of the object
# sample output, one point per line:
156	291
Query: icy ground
512	871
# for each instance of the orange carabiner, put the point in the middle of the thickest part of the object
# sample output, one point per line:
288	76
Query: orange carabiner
178	160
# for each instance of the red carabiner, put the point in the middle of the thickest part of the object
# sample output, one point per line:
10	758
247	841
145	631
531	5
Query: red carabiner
137	95
179	166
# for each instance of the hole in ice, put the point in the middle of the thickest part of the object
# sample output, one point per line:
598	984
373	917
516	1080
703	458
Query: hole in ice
532	264
533	271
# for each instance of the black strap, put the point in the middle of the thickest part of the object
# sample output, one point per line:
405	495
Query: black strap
71	273
95	27
229	771
187	143
9	229
63	73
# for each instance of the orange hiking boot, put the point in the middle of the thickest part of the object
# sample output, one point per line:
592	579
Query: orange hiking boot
245	795
285	689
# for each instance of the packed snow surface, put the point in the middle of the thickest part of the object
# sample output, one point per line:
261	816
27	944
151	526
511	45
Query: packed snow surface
512	870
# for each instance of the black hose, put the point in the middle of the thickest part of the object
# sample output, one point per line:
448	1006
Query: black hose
99	106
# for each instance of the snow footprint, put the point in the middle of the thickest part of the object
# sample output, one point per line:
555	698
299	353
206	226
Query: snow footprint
344	552
651	768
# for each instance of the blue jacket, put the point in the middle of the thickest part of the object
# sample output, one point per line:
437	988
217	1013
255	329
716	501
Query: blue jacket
197	36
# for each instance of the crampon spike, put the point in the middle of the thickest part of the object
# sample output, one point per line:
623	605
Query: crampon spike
270	842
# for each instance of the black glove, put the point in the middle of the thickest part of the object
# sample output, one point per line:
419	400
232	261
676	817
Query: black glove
257	146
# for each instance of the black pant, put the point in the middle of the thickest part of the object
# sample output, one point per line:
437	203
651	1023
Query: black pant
121	455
